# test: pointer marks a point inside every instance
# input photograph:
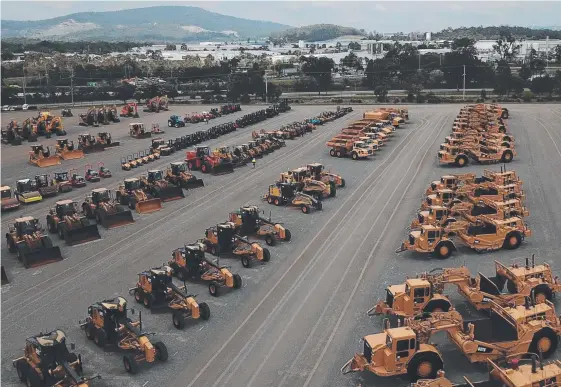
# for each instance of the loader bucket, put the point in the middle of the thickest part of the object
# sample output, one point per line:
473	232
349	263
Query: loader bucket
222	169
122	217
38	256
93	148
148	206
190	184
80	235
171	193
72	155
48	161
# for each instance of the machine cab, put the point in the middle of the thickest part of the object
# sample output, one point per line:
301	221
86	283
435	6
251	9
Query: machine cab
66	207
158	142
202	151
23	186
418	291
100	195
26	225
178	167
155	175
437	212
401	345
132	184
6	192
61	176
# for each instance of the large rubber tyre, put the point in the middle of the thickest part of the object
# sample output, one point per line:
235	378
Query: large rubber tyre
507	157
148	300
204	311
305	209
343	183
287	235
131	366
512	241
332	153
437	306
544	342
11	246
205	168
90	331
100	337
60	232
246	261
443	250
541	293
354	156
266	255
269	200
178	319
270	240
237	281
22	368
138	295
214	289
161	351
33	379
51	225
424	365
333	189
181	274
461	161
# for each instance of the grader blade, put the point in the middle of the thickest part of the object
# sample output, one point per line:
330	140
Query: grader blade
34	257
171	193
148	206
48	161
121	217
79	235
72	155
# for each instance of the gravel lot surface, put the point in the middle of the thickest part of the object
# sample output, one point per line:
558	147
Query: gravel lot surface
299	317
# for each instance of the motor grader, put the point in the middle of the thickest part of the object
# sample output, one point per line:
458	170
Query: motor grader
137	130
66	151
425	292
107	324
41	156
155	290
305	184
317	172
9	203
179	175
282	193
223	240
33	248
131	194
248	221
26	192
485	234
406	349
71	226
513	374
189	263
99	205
46	361
154	184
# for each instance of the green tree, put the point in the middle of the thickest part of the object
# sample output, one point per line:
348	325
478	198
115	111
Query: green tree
125	92
507	46
354	46
557	53
542	85
381	92
320	69
525	72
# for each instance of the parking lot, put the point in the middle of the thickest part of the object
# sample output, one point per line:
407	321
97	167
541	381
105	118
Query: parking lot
301	316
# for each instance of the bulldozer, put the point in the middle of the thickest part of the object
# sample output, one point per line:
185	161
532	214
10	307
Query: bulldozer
156	290
189	263
71	226
517	373
9	203
129	110
100	206
41	156
46	361
87	143
33	248
137	130
286	193
26	192
178	174
425	292
223	240
66	151
107	323
154	184
201	159
406	349
131	194
249	222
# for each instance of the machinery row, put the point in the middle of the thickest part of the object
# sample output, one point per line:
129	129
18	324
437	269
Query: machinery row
485	213
479	133
363	138
519	323
44	124
193	118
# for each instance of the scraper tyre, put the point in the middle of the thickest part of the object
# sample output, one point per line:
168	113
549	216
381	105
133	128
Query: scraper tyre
237	281
424	366
544	341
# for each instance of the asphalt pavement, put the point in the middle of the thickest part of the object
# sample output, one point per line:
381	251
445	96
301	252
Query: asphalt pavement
299	317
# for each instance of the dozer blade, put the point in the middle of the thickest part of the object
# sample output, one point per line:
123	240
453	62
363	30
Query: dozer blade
48	161
113	143
148	206
122	217
38	256
191	184
171	193
82	234
72	155
222	169
93	148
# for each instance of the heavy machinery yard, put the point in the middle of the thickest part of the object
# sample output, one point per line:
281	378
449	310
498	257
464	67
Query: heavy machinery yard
299	317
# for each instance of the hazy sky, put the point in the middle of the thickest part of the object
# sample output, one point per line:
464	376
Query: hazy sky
382	16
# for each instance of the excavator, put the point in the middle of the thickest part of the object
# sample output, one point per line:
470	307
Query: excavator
130	110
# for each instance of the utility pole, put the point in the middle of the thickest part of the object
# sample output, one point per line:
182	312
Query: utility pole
266	90
440	55
46	74
23	84
419	61
464	91
72	84
547	52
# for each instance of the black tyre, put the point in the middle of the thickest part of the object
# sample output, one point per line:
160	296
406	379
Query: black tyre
237	281
90	331
131	366
100	337
270	240
180	273
60	232
213	289
51	225
277	202
266	255
269	200
305	209
443	250
287	235
33	379
22	369
332	152
148	300
437	306
507	157
541	293
161	351
246	261
343	183
354	156
544	342
204	310
424	365
11	246
138	296
333	189
512	241
178	319
461	161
